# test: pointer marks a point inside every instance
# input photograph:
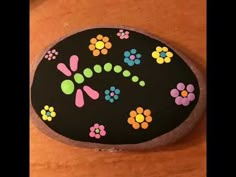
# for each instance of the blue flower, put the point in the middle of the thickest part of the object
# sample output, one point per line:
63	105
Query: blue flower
132	57
112	94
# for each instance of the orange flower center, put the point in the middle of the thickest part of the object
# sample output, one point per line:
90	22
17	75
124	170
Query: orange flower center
139	118
184	93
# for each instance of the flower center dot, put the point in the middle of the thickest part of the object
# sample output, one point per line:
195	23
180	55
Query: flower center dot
97	130
112	94
132	57
99	45
163	54
123	34
48	113
184	93
139	118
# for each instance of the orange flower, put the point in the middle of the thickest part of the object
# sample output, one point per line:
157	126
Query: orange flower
140	118
99	45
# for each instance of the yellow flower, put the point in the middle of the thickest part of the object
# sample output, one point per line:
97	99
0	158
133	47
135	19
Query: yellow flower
140	118
48	113
162	55
99	45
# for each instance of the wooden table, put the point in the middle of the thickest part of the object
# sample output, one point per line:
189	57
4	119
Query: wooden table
179	22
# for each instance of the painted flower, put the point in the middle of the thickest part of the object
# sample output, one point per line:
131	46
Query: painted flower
112	94
140	118
132	57
183	95
162	55
48	113
97	131
51	54
100	44
123	34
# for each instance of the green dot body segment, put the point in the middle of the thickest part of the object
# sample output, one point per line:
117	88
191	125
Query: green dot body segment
142	83
79	78
88	72
67	87
108	67
126	73
97	68
117	69
135	78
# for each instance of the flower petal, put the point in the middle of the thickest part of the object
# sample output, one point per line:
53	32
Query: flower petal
118	34
180	86
92	134
126	36
46	107
155	54
132	113
174	93
136	125
191	96
144	125
158	49
116	97
167	60
169	54
102	132
97	136
43	112
131	120
185	101
91	47
93	41
53	114
51	109
117	91
139	110
160	60
111	100
133	51
164	49
96	125
107	92
92	129
190	88
137	61
126	53
107	97
178	100
101	127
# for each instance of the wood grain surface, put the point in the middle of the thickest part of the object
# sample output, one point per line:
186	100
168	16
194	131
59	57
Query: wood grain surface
181	23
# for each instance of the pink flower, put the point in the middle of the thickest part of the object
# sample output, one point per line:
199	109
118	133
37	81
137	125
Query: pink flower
183	95
51	54
97	131
123	34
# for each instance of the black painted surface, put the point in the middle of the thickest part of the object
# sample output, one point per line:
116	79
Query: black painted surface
74	122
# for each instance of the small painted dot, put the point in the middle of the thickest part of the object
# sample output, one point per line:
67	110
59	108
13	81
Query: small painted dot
108	67
88	72
142	83
67	87
79	78
117	68
126	73
135	78
97	68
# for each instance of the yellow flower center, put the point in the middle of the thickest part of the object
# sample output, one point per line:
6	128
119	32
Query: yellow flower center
139	118
99	45
184	93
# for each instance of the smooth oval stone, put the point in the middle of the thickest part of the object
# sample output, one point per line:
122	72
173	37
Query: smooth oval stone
137	92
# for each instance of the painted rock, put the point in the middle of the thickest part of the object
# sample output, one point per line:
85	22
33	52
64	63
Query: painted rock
112	88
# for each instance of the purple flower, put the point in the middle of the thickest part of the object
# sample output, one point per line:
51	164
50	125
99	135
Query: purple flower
183	95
